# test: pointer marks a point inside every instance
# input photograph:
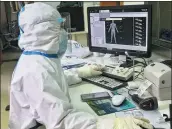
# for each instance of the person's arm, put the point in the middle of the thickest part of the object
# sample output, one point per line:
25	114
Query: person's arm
51	106
116	28
74	75
110	27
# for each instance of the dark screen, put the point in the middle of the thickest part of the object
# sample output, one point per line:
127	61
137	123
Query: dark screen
122	34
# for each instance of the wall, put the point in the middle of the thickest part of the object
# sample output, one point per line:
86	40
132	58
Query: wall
10	15
161	18
3	15
165	13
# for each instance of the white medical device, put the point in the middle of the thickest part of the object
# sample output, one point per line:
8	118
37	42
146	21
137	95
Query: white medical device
160	75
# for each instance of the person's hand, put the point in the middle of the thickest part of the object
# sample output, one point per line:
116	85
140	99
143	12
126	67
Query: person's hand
90	70
124	123
132	123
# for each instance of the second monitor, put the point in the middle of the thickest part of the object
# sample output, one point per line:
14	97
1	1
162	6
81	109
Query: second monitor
120	29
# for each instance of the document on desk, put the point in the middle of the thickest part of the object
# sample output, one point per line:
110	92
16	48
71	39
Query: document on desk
68	63
152	116
143	87
80	52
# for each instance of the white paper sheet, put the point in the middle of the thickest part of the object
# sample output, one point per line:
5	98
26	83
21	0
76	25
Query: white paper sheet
72	62
81	52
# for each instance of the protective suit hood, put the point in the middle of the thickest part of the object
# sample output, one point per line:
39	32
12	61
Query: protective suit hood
39	28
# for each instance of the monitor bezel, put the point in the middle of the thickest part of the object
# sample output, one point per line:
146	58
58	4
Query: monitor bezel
119	51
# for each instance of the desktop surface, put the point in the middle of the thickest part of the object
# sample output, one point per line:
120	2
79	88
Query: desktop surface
84	88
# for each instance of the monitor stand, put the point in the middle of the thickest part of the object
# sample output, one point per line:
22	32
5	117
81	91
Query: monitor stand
129	62
123	60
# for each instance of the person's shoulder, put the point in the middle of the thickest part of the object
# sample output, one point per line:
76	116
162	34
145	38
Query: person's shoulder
35	67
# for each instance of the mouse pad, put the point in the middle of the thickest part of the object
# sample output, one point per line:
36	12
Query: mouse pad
105	106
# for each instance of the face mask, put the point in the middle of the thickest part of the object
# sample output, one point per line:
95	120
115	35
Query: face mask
62	43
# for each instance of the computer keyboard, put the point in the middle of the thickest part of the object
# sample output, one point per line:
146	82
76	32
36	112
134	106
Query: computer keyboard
120	73
106	82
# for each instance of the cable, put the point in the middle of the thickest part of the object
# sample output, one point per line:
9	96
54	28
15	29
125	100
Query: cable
135	89
135	66
140	78
139	62
141	72
144	61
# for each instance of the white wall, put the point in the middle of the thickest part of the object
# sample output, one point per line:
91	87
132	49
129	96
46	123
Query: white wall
85	5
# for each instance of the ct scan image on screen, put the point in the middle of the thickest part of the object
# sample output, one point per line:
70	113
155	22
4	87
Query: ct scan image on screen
119	30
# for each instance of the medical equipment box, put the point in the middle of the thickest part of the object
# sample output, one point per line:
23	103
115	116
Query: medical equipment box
160	75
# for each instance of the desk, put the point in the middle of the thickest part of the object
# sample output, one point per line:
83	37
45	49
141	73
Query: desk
76	90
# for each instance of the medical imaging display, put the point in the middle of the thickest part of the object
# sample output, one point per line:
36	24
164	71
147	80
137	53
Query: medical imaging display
111	27
140	31
115	29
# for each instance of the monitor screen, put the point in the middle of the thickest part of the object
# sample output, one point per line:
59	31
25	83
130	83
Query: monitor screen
119	29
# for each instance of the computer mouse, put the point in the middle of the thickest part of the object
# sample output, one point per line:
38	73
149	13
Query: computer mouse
117	100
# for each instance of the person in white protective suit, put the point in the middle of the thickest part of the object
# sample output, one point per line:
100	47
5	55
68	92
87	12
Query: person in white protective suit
39	90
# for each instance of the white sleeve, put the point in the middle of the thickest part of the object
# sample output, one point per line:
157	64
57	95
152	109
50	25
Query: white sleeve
72	76
52	107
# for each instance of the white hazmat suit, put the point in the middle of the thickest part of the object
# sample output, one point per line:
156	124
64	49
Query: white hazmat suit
39	90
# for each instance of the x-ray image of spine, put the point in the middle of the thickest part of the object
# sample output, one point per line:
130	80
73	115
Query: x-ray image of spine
113	28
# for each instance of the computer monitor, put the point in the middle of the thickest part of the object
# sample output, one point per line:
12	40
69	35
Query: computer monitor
120	29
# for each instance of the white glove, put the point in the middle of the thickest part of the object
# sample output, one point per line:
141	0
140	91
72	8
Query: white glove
124	123
72	77
90	70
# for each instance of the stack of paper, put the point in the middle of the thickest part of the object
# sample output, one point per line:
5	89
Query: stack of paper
68	63
80	52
